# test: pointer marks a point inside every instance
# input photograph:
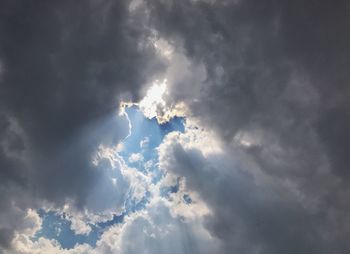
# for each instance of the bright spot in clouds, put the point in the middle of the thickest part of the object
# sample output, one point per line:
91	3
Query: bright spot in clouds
164	48
153	101
239	142
132	175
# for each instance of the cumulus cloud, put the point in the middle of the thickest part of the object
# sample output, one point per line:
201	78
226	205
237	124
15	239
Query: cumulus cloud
248	211
135	157
269	94
64	69
262	166
157	231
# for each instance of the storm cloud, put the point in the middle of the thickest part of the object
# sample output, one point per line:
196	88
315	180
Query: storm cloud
263	90
65	67
275	86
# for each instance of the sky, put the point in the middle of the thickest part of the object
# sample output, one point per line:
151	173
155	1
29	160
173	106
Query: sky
163	126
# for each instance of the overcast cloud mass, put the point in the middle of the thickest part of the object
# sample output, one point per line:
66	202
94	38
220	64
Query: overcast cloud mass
174	126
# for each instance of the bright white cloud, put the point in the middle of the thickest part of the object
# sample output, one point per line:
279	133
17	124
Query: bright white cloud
153	101
157	231
135	157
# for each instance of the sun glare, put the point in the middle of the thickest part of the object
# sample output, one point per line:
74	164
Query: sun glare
153	100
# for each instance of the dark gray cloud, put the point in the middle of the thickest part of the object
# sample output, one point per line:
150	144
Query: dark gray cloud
65	65
272	72
251	52
249	214
276	74
5	237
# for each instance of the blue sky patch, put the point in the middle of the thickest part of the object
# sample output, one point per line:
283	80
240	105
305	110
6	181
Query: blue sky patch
139	151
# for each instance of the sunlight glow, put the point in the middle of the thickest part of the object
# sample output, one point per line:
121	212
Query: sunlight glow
164	48
153	101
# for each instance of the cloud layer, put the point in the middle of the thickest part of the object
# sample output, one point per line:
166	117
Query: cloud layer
262	165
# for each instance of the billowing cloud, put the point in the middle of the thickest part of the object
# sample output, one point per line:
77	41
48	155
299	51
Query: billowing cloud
273	88
250	212
64	69
251	107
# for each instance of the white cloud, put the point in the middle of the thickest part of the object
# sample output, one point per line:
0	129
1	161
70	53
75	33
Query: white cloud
144	143
195	137
135	157
79	226
157	231
22	244
153	99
